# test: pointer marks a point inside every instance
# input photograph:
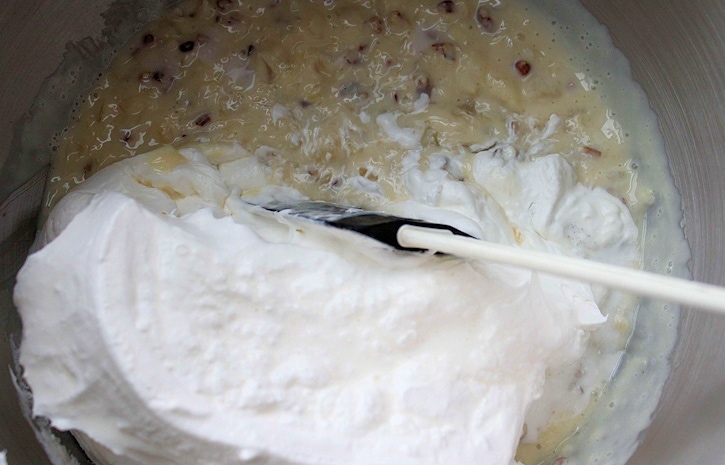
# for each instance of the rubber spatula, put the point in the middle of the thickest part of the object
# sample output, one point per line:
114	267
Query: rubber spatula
416	235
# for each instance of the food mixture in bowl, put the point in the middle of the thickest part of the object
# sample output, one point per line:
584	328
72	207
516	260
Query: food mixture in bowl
169	321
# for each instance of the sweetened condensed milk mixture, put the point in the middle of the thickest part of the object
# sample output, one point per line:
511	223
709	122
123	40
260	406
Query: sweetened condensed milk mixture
304	86
208	331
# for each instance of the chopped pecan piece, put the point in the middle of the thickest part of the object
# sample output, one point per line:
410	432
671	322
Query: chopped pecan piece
485	21
447	6
447	49
523	67
377	24
423	85
592	151
203	120
222	5
187	46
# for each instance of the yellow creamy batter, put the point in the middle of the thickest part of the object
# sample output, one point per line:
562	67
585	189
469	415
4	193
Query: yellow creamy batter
300	83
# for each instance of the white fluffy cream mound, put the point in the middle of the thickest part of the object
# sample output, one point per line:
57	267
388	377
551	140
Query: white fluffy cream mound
169	323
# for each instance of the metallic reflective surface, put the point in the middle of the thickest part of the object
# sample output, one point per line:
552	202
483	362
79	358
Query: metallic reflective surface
677	53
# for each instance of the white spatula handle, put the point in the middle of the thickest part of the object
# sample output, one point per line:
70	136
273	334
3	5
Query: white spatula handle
664	288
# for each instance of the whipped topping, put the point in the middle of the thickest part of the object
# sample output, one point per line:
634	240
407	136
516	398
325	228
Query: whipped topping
169	322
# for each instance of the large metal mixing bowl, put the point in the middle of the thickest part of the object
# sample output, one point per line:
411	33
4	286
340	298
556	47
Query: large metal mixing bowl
677	53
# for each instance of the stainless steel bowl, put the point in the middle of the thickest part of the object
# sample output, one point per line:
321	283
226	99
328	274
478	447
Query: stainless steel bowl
677	53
